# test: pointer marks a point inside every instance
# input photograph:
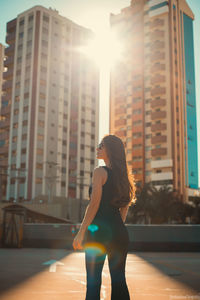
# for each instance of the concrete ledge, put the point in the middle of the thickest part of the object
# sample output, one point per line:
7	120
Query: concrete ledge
142	237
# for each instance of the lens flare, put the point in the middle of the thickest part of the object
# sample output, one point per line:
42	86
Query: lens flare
93	227
94	249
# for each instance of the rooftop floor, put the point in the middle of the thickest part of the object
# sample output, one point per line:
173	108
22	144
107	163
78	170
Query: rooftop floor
59	274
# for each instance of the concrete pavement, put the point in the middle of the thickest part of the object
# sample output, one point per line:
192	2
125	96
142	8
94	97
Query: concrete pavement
58	274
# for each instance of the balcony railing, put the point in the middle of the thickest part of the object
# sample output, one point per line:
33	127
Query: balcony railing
5	110
9	50
7	85
9	61
8	74
159	151
4	123
10	38
157	45
120	122
3	149
121	133
158	103
157	34
11	25
4	136
158	68
158	79
158	127
157	56
120	110
158	91
157	22
159	139
158	115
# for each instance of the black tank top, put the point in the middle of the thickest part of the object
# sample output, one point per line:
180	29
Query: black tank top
107	224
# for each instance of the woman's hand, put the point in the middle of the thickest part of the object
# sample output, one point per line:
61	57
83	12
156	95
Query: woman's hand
77	243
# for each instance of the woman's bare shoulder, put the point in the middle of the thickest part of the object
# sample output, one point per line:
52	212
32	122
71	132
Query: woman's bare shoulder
100	172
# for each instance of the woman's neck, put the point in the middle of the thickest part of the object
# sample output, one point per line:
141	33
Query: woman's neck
107	163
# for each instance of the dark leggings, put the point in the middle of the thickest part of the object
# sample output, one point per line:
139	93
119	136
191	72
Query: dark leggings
116	260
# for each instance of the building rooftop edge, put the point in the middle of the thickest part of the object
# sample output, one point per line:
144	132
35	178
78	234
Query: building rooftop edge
53	12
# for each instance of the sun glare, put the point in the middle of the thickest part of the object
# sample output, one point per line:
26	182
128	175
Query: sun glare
105	49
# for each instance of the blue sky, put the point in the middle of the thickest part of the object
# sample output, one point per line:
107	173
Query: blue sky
94	14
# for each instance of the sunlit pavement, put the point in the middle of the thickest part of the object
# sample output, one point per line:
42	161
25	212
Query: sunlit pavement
41	274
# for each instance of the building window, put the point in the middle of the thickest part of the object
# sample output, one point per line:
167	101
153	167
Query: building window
41	123
40	137
23	151
24	137
45	18
38	180
39	166
40	151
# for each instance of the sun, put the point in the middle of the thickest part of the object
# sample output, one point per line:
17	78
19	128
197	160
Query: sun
105	49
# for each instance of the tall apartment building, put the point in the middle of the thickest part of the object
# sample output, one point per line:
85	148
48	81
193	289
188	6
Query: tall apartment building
51	106
3	134
1	68
152	99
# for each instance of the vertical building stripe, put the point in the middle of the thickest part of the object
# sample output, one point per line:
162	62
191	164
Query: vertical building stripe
33	105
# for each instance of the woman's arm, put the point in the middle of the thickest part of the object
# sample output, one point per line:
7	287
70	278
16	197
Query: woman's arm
97	182
123	212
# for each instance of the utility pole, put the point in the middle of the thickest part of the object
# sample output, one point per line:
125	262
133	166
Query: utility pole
18	178
51	179
81	186
2	173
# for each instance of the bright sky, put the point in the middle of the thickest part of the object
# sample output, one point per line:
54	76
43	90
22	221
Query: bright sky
94	14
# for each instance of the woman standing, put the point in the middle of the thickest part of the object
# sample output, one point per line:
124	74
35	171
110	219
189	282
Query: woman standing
102	231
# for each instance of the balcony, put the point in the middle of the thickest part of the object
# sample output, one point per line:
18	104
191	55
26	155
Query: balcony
162	176
7	85
158	127
10	50
157	34
138	128
11	25
72	152
157	56
161	163
137	164
5	110
137	152
120	133
4	162
158	103
158	79
157	45
8	75
159	151
72	165
120	122
158	91
157	68
3	149
5	123
6	98
9	61
157	23
10	38
158	115
120	110
159	139
4	136
119	99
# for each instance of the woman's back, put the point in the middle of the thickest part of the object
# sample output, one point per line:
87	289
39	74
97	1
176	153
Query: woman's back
107	225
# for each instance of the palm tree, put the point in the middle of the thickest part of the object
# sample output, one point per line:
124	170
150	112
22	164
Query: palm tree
141	208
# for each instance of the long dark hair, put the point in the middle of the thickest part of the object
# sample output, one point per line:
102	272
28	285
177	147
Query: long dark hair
123	180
